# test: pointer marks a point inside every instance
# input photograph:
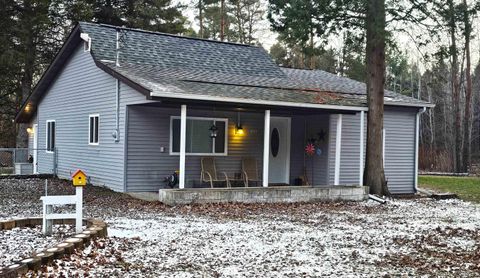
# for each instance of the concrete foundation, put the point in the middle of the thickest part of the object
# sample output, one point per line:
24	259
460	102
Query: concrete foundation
281	194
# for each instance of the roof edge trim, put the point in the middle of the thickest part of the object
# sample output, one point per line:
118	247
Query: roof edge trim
115	74
253	101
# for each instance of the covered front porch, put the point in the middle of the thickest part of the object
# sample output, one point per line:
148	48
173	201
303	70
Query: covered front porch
298	159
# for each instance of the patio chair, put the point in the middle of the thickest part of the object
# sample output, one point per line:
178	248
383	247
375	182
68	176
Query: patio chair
209	172
250	171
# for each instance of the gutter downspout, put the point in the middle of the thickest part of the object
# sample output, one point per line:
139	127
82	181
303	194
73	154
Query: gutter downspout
116	133
417	140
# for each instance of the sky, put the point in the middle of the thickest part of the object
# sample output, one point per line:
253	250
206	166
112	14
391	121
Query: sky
406	41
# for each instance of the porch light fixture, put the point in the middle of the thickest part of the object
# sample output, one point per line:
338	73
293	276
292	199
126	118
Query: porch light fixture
239	130
238	127
213	131
29	130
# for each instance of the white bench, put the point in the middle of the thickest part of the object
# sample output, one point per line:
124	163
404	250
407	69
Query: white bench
50	201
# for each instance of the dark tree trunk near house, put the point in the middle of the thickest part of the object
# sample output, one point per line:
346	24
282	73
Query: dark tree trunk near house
467	145
455	89
375	52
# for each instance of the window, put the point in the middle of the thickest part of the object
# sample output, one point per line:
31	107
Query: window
50	144
198	139
93	121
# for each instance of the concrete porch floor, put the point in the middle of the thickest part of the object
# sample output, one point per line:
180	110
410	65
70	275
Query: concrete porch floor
280	194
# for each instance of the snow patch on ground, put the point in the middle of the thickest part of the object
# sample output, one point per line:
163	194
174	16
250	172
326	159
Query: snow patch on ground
419	237
19	243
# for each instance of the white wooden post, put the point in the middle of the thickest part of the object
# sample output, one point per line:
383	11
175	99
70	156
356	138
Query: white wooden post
266	148
183	143
47	225
79	209
338	149
362	136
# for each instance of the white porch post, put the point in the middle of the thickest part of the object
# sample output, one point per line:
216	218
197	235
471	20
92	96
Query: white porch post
362	144
183	143
338	149
266	147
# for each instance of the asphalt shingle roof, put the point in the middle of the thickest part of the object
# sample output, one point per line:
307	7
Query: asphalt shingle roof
176	65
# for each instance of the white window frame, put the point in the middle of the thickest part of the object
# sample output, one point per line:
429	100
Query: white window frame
47	133
225	151
98	129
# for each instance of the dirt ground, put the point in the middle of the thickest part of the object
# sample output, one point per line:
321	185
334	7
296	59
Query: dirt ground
419	237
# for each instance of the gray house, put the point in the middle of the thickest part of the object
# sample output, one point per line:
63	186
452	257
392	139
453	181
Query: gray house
130	107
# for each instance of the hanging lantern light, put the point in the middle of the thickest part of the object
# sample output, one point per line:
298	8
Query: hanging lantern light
213	131
238	127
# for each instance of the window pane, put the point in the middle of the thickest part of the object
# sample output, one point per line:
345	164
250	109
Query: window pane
200	139
176	135
220	140
96	130
53	136
189	135
49	136
91	130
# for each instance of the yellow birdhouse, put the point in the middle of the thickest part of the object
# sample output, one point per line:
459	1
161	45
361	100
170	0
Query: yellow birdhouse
79	178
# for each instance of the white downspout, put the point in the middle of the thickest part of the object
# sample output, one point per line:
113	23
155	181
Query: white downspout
417	140
116	133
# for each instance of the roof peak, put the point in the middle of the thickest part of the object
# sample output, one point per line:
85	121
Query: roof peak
165	34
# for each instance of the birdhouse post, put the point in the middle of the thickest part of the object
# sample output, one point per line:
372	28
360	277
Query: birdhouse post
79	180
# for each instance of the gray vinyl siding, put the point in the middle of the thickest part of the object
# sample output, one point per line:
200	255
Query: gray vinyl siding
79	90
300	163
400	150
149	130
350	149
399	124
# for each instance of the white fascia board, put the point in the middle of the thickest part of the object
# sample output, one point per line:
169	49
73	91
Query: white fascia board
255	101
283	103
406	104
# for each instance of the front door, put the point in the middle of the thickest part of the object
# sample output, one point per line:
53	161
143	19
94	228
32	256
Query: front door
35	146
279	163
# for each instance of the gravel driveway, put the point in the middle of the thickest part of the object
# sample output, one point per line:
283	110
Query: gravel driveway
403	238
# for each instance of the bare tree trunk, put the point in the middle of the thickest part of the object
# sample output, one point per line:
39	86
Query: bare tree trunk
312	57
200	17
455	90
467	145
375	53
222	20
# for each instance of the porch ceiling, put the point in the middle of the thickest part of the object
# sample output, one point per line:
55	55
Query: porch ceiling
240	107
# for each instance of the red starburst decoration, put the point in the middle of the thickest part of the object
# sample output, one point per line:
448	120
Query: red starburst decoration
310	149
